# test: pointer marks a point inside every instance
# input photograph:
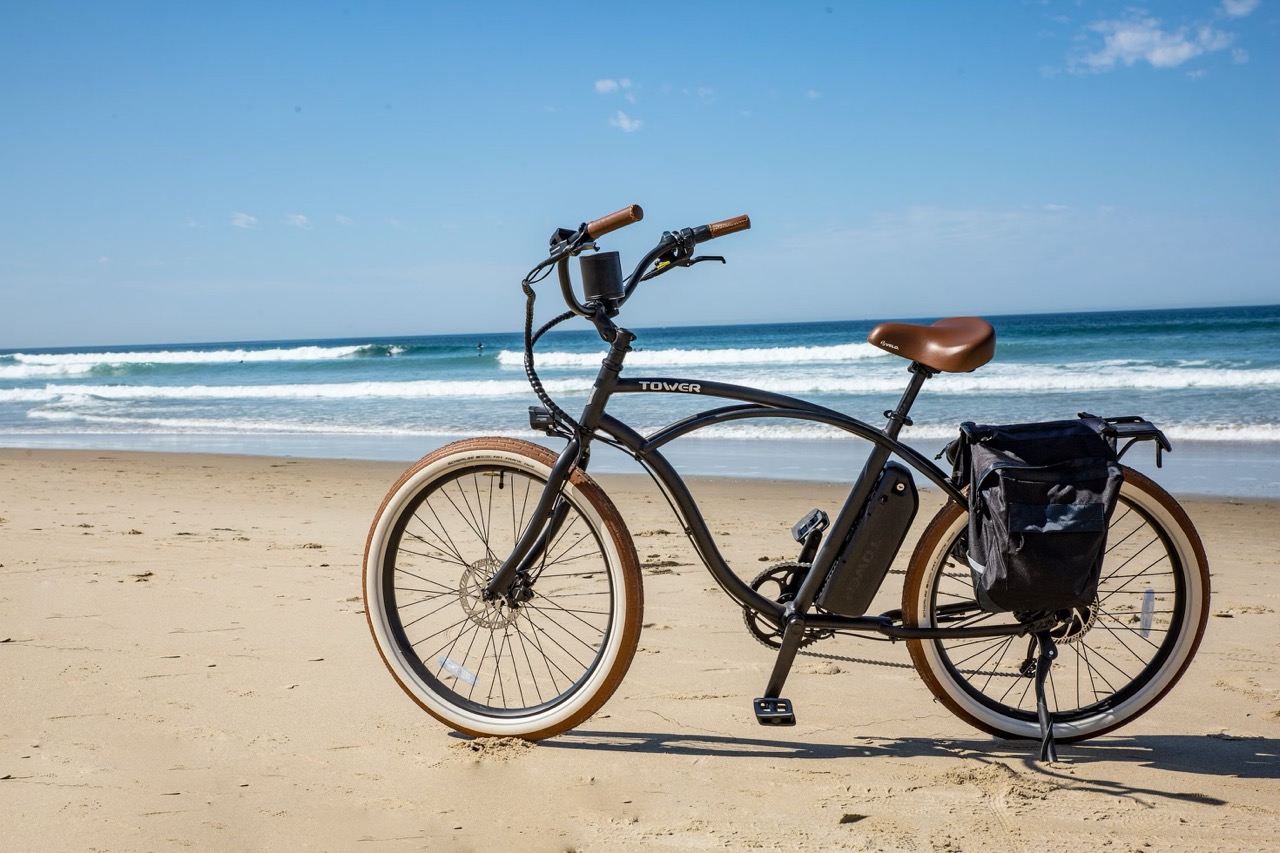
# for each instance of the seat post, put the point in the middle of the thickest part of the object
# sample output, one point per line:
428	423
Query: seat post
898	418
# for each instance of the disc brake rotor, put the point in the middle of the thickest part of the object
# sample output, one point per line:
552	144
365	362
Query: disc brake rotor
1073	629
487	614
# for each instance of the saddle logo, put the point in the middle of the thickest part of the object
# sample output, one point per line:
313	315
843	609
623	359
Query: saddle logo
686	387
885	343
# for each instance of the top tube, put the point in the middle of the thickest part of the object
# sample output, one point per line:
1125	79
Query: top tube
766	404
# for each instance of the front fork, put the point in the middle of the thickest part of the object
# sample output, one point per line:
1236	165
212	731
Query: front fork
544	523
510	580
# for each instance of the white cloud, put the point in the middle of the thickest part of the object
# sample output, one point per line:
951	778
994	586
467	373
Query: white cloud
297	220
605	87
625	122
706	94
243	220
1239	8
813	94
344	220
1144	39
1239	55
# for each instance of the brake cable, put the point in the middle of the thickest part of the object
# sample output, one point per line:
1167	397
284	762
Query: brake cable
531	338
567	244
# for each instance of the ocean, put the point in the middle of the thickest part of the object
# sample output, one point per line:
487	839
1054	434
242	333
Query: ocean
1209	377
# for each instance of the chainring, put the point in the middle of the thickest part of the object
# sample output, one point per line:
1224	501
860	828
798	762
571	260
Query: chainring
780	582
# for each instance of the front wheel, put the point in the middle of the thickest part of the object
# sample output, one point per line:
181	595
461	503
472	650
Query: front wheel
531	665
1116	657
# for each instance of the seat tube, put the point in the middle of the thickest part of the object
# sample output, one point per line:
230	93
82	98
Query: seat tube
836	537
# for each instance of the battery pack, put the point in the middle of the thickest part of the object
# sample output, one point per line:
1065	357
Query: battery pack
860	569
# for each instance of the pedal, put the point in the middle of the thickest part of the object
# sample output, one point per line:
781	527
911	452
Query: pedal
816	519
774	712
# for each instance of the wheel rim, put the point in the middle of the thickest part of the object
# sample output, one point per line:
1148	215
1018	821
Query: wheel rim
493	659
1113	656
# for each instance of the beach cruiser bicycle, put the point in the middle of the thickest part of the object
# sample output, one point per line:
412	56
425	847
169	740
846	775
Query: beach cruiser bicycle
503	589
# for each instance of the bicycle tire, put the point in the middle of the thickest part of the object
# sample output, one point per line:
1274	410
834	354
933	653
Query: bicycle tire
485	668
1114	661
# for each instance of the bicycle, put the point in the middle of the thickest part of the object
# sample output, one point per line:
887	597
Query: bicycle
503	590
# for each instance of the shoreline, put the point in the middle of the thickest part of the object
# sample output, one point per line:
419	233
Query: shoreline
1199	468
188	664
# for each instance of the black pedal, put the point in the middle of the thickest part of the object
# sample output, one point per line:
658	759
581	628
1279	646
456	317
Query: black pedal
774	712
815	520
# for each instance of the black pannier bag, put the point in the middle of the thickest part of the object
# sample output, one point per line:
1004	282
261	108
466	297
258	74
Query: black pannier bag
1040	498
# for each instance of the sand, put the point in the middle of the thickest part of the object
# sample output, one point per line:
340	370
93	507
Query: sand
186	665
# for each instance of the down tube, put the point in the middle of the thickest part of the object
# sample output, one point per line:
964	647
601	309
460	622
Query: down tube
695	527
686	508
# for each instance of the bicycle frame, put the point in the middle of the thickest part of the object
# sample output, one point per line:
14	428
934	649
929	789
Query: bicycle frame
824	591
597	424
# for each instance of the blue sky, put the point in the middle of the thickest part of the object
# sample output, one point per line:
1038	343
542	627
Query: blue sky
174	172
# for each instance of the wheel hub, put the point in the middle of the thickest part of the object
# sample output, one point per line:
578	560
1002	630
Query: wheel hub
497	613
1074	627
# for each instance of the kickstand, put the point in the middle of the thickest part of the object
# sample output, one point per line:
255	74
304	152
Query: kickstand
1044	660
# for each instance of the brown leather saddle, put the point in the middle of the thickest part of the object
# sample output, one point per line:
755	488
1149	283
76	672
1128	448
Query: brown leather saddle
951	345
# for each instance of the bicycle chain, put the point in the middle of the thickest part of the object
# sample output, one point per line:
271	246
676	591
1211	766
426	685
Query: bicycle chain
888	663
849	658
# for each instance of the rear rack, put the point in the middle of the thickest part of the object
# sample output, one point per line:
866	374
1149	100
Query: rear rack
1132	429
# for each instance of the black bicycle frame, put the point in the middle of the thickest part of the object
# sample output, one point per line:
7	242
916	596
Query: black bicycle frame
754	403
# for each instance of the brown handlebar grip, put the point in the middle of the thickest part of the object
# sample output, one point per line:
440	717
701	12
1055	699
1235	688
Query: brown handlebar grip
614	221
729	226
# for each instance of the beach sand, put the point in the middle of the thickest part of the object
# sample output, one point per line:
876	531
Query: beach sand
186	665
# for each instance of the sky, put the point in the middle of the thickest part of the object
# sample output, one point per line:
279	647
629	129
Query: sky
236	171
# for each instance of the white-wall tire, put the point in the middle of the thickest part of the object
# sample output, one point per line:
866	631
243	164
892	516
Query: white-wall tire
1117	667
487	669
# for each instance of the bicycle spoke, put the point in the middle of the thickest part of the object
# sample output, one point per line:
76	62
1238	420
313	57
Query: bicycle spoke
468	517
551	619
520	655
418	619
546	659
443	535
416	576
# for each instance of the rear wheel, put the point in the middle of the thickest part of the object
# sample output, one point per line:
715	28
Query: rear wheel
535	664
1116	657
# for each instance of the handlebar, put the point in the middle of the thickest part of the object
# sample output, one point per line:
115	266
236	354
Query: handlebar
719	229
674	249
609	290
618	219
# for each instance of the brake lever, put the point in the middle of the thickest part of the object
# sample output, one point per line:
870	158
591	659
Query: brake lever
669	262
